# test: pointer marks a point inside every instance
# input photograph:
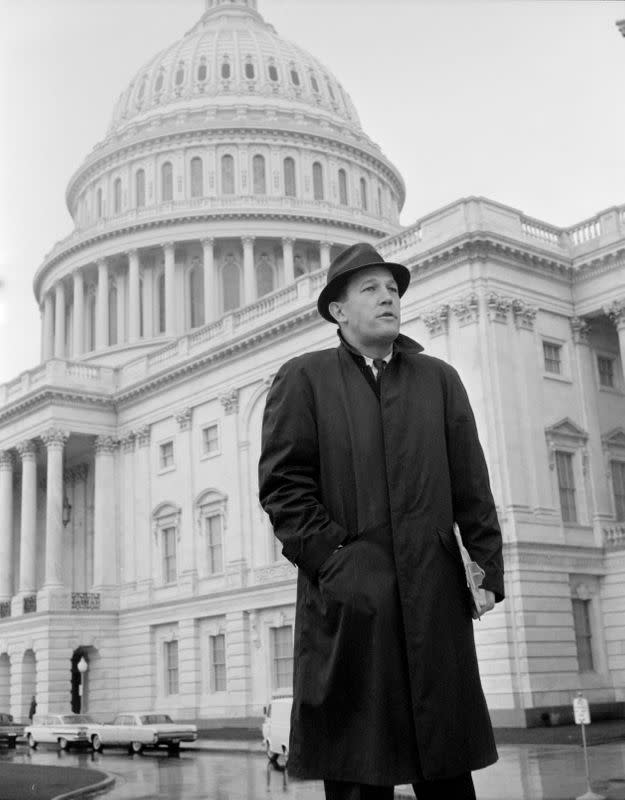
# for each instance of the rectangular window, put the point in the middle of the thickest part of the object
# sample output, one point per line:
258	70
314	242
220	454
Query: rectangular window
210	439
618	484
167	455
605	366
218	663
553	358
282	651
214	542
169	555
583	634
171	667
566	486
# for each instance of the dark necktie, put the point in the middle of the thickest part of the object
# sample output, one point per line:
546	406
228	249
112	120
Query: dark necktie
380	365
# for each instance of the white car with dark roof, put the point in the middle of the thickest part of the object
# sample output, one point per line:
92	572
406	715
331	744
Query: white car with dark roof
139	730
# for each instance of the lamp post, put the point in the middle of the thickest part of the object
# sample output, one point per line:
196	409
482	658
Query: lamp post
82	668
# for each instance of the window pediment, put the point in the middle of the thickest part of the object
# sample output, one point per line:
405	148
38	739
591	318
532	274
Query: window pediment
614	440
566	432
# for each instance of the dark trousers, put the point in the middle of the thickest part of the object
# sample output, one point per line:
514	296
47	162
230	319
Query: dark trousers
459	788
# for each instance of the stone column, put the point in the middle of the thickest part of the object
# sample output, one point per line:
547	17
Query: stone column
148	302
142	516
238	659
79	313
54	440
324	254
170	289
187	536
120	282
105	529
616	312
28	532
287	257
133	296
48	326
102	306
210	284
6	524
249	276
59	321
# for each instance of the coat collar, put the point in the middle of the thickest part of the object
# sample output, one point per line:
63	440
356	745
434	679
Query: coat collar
402	344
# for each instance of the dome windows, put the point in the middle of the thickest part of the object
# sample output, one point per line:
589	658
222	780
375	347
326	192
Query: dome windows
180	74
289	177
117	195
160	78
227	174
272	71
197	178
258	170
226	70
140	188
202	70
342	187
141	92
250	72
294	77
167	182
314	83
317	171
330	89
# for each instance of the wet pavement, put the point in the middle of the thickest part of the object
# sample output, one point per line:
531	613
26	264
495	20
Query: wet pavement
523	772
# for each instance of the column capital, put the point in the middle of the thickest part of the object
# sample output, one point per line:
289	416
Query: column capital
207	241
7	461
132	251
143	435
54	437
616	311
102	262
183	418
230	401
524	314
105	445
580	328
288	240
27	449
127	441
167	246
248	240
78	273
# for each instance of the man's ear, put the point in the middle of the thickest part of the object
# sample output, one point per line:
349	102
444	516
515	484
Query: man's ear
336	311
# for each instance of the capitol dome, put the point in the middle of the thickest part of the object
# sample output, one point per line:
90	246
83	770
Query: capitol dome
234	165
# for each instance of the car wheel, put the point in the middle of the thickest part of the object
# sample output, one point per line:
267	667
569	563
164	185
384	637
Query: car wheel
63	743
96	743
135	748
31	741
173	748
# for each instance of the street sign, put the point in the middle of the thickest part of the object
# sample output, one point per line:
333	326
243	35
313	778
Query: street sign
581	711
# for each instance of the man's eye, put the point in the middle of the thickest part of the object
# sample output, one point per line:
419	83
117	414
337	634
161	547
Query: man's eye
393	289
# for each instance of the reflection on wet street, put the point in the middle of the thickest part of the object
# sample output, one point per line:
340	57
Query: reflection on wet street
522	773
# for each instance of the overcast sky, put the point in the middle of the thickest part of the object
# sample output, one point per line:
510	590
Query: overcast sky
519	101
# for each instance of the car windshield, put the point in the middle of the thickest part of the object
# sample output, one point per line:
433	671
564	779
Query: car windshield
75	719
155	719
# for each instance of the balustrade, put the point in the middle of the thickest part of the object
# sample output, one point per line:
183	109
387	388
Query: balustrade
85	601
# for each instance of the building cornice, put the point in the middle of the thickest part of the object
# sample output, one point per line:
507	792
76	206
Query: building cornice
43	396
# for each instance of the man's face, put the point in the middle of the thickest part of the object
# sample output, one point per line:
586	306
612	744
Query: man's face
369	312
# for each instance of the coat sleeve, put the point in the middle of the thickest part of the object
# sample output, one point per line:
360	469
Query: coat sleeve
288	473
473	504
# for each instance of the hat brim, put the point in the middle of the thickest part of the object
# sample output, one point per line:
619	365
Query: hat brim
329	292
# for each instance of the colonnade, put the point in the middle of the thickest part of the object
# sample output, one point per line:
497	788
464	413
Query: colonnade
24	456
136	311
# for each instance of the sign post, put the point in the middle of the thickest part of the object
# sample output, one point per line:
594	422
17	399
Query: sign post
581	712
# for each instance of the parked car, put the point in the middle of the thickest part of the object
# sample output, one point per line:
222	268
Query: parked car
276	729
10	731
137	731
66	730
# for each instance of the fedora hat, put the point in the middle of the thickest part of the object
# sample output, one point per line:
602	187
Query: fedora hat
349	261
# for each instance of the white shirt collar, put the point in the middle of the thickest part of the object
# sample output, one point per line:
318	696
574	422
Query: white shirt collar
386	359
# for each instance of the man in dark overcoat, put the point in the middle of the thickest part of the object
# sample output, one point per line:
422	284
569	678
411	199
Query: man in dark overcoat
370	454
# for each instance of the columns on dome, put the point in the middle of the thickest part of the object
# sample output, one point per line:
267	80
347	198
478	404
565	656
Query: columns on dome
48	327
102	306
287	257
104	549
59	320
79	313
324	254
28	455
170	289
54	440
210	284
6	524
249	277
133	296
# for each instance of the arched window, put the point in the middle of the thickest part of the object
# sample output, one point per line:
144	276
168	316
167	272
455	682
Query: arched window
230	283
227	174
258	168
264	276
167	182
197	182
196	294
113	315
273	73
317	180
314	83
225	69
342	187
202	70
158	86
141	91
160	287
180	74
117	195
140	187
99	203
294	77
289	177
249	70
363	194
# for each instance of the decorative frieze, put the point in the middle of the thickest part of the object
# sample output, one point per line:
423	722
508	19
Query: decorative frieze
142	436
127	441
230	401
580	329
524	314
437	320
498	307
183	418
54	438
105	444
283	571
76	474
467	309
